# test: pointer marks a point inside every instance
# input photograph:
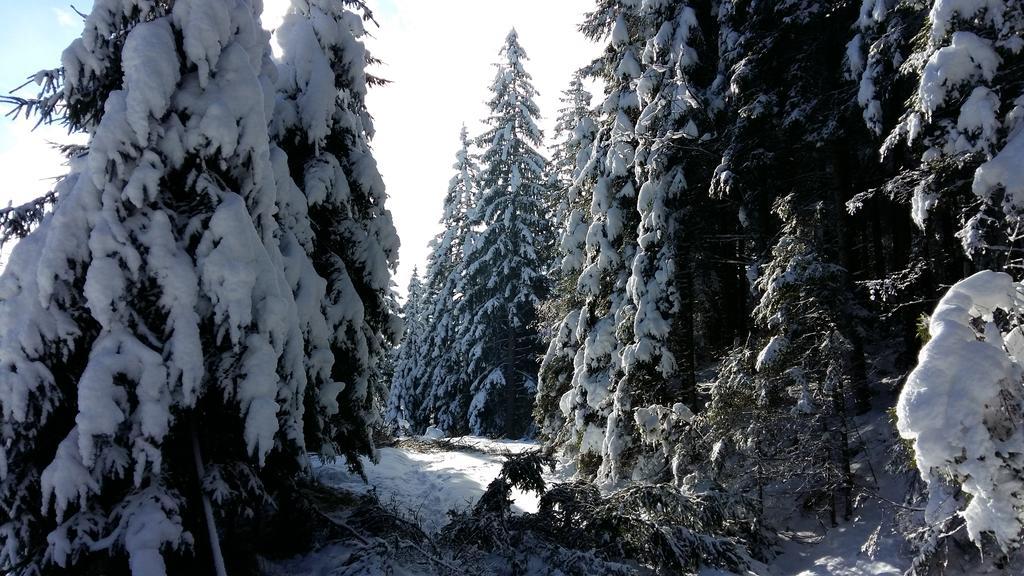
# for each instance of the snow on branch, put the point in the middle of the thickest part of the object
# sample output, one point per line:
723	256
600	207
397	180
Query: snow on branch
962	407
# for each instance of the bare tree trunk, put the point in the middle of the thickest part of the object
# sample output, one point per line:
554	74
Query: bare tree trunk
840	440
858	372
683	341
211	525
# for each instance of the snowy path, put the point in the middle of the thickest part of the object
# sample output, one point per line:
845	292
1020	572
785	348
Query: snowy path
428	484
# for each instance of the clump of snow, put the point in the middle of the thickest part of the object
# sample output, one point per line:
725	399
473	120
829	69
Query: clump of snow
593	437
656	423
959	406
969	57
151	74
150	522
771	352
67	479
943	13
495	380
434	433
978	120
206	29
922	202
1004	171
872	12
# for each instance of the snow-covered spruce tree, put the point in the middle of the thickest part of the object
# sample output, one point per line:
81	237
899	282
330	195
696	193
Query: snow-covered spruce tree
569	169
443	400
964	122
350	315
807	357
503	281
573	134
153	357
573	116
606	316
402	398
659	364
962	406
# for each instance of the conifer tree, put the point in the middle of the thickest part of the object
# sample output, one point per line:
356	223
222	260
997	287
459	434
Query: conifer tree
606	316
322	121
111	362
569	138
503	281
659	363
402	399
569	204
798	367
165	327
443	400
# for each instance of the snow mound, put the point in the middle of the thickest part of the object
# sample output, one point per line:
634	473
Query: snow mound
959	407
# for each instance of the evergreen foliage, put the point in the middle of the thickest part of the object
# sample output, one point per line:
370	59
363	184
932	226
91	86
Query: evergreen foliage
443	397
402	403
769	240
503	280
325	129
485	277
575	132
727	255
180	329
577	530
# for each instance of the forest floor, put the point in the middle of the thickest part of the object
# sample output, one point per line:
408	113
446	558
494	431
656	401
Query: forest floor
872	542
422	479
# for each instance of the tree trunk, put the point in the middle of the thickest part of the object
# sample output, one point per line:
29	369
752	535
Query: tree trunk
858	372
683	342
211	525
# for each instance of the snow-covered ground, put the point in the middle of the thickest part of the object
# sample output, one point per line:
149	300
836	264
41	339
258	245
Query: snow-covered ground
428	484
849	550
868	545
427	481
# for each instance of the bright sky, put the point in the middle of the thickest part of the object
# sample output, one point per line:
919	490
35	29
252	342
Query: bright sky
32	37
438	55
